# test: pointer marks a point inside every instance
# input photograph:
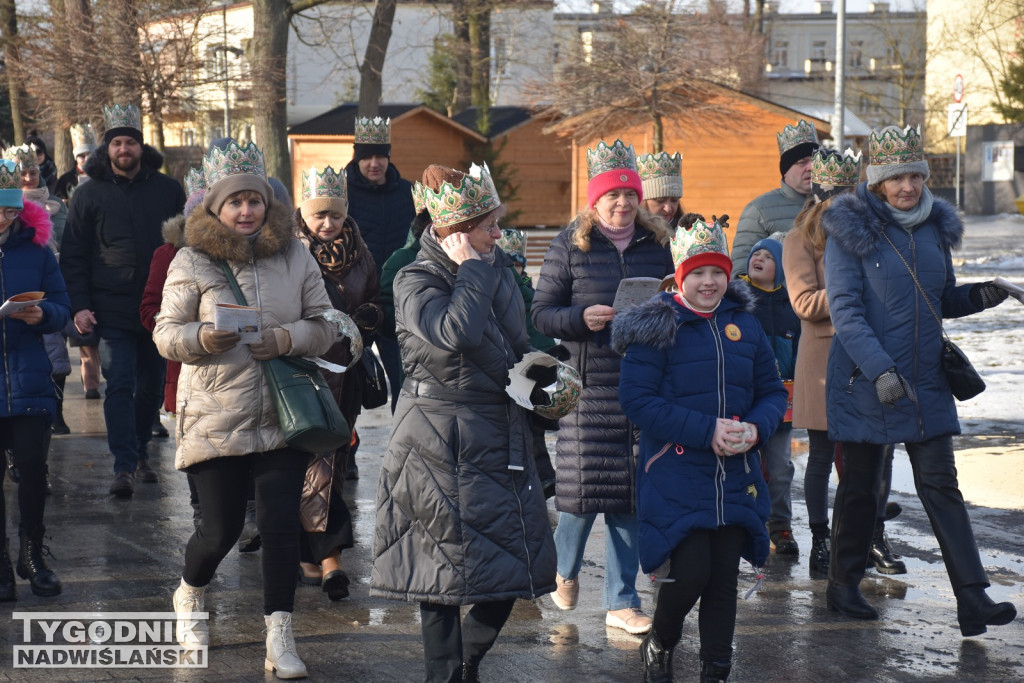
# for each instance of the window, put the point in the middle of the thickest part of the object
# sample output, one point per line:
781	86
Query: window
855	54
819	51
780	53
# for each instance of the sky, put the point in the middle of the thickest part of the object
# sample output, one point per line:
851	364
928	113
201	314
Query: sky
785	6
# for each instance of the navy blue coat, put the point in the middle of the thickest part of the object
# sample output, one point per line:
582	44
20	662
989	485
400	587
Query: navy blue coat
595	469
680	373
882	322
382	212
28	265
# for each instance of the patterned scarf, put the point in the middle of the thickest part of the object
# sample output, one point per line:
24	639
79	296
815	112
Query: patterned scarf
336	257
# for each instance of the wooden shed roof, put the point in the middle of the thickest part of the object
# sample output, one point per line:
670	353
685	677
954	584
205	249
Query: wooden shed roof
342	120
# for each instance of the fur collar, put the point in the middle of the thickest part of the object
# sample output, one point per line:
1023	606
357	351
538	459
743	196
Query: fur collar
205	233
856	221
173	231
97	166
654	323
37	219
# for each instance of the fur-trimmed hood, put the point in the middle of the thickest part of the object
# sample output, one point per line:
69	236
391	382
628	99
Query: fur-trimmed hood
857	221
654	323
97	166
38	219
173	231
205	233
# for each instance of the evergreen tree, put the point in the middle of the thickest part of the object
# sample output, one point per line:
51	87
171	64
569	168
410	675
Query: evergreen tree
1012	109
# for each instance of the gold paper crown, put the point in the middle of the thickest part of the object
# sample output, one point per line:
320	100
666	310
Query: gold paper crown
829	167
23	155
696	239
194	181
417	198
10	175
122	116
375	131
791	136
513	242
326	184
83	137
894	146
233	160
472	196
614	157
659	165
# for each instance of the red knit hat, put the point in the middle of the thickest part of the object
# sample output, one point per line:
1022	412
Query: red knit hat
611	167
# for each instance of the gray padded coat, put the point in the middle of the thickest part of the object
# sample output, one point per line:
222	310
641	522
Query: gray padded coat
769	213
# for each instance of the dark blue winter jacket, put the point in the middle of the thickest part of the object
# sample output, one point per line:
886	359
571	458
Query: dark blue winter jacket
882	321
28	265
382	212
680	373
595	468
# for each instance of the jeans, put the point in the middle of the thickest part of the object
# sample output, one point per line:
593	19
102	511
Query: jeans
134	372
622	554
447	643
779	471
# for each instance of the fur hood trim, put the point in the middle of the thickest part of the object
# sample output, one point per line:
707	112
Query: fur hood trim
654	323
205	233
97	166
857	221
38	219
173	231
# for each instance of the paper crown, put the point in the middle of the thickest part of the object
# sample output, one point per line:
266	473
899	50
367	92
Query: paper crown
23	155
699	238
194	181
566	394
328	183
418	203
122	116
10	175
661	174
233	160
791	136
375	131
472	196
83	138
614	157
513	243
894	146
347	329
829	167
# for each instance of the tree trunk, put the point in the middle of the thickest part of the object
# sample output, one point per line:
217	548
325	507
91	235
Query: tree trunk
9	26
269	70
126	53
463	56
659	131
371	72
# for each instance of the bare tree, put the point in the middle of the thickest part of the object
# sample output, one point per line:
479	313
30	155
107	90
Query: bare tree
370	71
12	63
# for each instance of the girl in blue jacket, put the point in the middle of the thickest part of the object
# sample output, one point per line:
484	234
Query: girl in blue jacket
699	380
29	401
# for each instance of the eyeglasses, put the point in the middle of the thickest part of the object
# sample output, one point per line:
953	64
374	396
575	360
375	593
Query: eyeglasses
487	228
10	214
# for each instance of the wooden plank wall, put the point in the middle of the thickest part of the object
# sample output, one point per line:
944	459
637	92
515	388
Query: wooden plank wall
543	174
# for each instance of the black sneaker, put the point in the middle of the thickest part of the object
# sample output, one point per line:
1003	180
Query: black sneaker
783	542
123	485
92	394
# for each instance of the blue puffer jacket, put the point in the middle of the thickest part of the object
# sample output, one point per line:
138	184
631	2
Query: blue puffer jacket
882	322
28	265
382	212
680	373
595	469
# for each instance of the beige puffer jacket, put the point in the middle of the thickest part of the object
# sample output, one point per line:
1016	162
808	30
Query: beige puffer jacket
224	406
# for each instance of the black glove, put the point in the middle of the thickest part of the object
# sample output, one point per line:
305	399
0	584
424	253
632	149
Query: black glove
987	295
543	375
539	397
891	387
559	352
368	317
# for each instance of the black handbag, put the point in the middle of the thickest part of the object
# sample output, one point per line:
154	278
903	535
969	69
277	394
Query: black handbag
375	381
306	410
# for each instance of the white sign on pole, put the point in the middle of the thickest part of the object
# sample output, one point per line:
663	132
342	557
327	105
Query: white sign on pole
957	120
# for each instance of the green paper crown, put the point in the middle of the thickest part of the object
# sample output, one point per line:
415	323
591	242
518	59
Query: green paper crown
894	146
418	202
791	136
829	167
472	196
699	238
566	396
615	157
326	184
10	175
23	155
513	241
233	160
194	181
82	135
375	131
660	165
122	116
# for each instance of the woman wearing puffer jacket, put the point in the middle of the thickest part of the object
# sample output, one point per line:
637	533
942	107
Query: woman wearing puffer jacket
28	404
890	280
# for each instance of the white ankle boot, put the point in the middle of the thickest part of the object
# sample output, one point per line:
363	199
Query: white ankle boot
281	655
191	633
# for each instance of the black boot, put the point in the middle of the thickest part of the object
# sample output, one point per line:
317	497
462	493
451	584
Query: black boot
820	554
250	540
975	611
881	556
32	566
848	601
471	672
351	468
657	661
714	672
7	591
59	427
12	470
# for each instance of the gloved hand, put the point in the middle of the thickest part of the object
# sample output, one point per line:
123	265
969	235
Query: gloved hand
368	316
542	374
987	295
559	352
276	341
539	397
891	387
217	341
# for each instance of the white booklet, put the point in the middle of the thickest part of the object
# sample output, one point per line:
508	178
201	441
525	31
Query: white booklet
1016	291
245	320
20	302
634	291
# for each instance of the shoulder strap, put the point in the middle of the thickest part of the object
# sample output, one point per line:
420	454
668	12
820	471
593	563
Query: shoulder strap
233	283
916	282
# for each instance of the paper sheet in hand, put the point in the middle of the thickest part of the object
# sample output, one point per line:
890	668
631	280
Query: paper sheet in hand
245	320
633	291
19	302
520	386
1016	291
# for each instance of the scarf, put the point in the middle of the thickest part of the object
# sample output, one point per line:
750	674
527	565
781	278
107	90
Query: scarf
909	220
336	257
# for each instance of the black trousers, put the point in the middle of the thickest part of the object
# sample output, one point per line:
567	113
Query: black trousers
27	437
705	566
447	642
935	480
222	485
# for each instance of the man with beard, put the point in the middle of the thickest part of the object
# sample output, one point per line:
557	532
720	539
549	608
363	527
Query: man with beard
112	231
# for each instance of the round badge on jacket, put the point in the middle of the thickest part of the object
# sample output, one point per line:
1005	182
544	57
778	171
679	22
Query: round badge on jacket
732	332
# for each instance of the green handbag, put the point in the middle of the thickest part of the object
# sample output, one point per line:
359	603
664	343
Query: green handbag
306	410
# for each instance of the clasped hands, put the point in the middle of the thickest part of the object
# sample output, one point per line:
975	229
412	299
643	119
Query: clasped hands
732	437
276	341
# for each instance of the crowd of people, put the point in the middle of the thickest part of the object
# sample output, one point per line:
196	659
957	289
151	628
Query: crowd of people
673	417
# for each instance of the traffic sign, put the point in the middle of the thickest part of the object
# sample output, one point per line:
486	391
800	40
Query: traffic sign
958	89
957	120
